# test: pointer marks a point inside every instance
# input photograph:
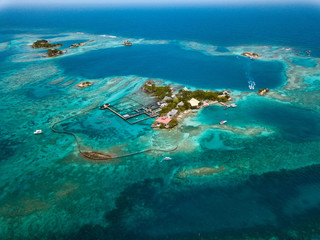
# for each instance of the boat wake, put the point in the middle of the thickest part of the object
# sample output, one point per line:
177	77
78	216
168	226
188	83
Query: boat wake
109	36
251	85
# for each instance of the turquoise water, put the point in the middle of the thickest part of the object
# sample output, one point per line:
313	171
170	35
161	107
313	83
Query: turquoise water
269	148
304	62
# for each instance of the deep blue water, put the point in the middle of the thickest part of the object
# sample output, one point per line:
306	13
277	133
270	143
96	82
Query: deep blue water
173	63
293	26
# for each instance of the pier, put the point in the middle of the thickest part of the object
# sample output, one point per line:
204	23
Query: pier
151	111
93	155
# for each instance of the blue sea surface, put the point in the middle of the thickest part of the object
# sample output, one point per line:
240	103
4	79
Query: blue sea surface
180	66
268	150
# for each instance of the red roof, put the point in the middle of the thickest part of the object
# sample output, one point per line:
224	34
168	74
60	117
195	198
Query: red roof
164	121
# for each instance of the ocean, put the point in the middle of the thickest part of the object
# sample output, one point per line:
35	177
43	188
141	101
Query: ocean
265	160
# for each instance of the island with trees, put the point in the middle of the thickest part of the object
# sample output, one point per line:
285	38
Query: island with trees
174	104
45	44
54	52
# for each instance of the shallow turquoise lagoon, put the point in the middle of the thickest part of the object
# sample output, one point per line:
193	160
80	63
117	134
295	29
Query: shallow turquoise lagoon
268	150
304	62
293	123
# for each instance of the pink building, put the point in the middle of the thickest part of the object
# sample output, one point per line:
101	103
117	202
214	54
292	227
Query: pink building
164	121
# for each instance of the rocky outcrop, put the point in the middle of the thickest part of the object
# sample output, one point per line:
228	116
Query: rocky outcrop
263	92
84	84
251	55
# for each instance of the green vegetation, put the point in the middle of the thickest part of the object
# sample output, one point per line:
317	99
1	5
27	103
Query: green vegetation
181	99
54	52
171	105
161	92
184	96
173	123
158	92
45	44
201	95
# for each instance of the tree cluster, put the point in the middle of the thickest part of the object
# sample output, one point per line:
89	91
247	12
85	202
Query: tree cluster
158	92
54	52
45	44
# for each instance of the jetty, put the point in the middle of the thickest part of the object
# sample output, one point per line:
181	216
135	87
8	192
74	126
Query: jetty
232	105
139	114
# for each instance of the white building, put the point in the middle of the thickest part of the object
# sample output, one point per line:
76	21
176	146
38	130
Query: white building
180	104
194	102
166	98
172	113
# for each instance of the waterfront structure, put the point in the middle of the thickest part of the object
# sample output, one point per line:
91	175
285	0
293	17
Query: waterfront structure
163	120
194	102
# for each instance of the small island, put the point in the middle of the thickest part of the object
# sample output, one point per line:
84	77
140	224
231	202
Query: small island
54	52
127	43
174	105
75	45
251	55
44	44
84	84
263	91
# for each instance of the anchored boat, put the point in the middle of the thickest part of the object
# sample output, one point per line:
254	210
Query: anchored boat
166	159
37	132
223	122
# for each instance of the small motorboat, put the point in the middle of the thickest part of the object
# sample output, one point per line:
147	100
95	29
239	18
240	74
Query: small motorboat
222	122
37	132
205	105
166	159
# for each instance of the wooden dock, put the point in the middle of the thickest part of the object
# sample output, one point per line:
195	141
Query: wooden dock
150	110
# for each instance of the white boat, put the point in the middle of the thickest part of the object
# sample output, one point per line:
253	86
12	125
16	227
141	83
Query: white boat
37	132
166	159
233	105
223	122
